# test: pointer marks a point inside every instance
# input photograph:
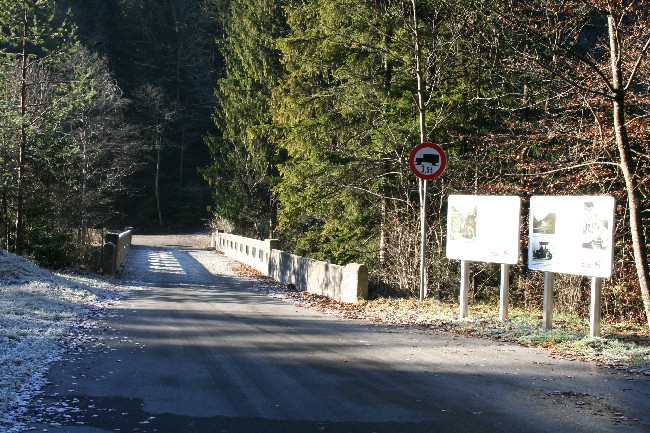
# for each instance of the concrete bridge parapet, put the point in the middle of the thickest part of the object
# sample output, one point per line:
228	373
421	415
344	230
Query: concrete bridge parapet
341	283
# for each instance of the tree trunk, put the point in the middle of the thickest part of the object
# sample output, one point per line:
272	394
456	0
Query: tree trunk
157	183
22	149
423	183
6	224
639	244
182	162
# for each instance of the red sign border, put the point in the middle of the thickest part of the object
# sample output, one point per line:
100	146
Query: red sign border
443	161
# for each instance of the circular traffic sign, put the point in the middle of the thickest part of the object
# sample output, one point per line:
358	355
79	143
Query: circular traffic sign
428	161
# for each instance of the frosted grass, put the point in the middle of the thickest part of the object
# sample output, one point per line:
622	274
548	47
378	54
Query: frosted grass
41	315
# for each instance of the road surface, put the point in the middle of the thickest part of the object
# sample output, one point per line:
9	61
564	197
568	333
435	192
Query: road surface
191	350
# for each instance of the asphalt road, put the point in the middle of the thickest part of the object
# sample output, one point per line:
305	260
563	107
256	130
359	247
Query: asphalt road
189	351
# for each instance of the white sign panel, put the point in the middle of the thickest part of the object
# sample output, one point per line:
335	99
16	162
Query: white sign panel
483	228
571	235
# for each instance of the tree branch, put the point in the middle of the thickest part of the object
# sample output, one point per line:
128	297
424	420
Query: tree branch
374	194
638	63
586	164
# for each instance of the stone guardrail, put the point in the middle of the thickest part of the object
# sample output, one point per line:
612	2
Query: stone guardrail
341	283
116	248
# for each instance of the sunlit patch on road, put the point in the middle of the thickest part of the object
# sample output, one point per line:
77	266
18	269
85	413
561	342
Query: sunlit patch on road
164	262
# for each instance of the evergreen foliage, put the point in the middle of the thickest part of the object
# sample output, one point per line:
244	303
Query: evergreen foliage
295	119
244	154
42	91
508	90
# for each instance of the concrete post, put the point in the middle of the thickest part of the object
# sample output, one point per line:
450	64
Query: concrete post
109	258
116	247
355	283
271	244
113	238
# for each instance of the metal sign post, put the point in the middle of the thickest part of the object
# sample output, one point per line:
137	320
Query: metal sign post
595	307
549	287
463	298
427	161
504	292
423	238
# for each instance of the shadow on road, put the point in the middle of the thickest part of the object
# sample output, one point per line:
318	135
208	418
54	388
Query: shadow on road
194	349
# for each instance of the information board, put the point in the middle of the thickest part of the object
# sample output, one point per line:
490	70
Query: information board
571	235
483	228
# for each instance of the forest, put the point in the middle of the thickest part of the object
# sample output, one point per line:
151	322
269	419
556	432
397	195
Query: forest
104	107
294	120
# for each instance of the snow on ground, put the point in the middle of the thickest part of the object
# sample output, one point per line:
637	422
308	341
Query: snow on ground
41	316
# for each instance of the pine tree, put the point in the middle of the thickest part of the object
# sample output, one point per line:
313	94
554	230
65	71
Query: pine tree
348	114
37	39
244	154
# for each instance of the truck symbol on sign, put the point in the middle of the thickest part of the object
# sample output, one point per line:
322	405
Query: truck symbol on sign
428	158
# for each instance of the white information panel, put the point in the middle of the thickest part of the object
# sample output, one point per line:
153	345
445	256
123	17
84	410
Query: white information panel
571	235
483	228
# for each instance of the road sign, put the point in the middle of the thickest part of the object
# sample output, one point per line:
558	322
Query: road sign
427	161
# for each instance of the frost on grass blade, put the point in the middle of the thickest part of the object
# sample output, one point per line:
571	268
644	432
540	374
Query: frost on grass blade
39	312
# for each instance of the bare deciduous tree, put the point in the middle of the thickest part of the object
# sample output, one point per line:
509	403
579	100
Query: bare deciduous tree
591	56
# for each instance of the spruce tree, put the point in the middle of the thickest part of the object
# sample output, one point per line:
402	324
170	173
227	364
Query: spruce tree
244	153
37	39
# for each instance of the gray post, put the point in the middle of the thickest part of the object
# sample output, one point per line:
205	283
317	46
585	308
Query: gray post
271	244
595	309
113	238
464	284
504	297
354	287
423	239
547	318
